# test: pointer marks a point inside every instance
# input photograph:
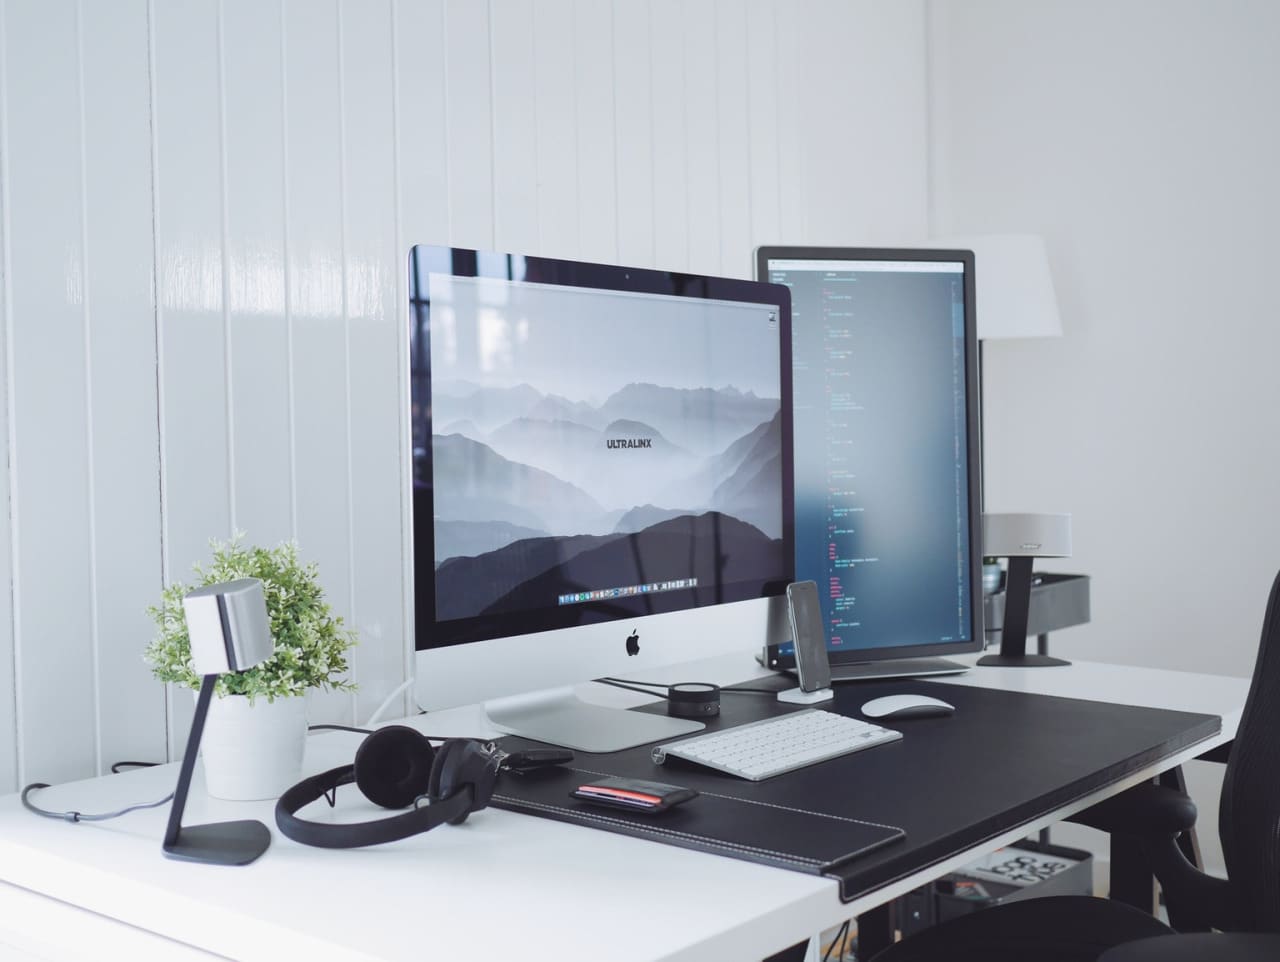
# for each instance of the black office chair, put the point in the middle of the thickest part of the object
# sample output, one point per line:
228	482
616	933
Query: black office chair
1084	929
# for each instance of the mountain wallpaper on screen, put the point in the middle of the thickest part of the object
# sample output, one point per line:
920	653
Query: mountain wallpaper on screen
712	548
537	495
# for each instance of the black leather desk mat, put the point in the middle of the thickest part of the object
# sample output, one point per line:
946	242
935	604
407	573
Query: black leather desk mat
1000	761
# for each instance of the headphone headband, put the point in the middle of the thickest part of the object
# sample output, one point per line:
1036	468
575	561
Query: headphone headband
393	828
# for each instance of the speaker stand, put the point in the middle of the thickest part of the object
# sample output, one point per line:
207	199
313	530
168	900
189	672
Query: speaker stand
1017	608
220	843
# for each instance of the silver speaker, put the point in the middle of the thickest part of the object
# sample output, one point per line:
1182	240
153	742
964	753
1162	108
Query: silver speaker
1026	535
1022	538
228	626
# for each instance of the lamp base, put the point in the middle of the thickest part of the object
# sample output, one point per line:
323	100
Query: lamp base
1021	661
221	843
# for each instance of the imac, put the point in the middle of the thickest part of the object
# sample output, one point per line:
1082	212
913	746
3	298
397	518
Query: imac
601	482
887	513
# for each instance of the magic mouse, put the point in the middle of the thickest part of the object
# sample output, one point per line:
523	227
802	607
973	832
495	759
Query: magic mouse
906	706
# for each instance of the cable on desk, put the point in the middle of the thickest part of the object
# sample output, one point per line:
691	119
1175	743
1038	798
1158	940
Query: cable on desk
370	731
116	766
81	816
632	686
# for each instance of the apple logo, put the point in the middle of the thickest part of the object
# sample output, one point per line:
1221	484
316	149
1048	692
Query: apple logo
633	643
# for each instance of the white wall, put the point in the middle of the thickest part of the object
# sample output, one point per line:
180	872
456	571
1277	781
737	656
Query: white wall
1140	138
204	209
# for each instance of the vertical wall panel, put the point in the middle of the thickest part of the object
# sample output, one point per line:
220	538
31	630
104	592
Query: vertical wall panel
840	152
259	372
120	268
195	429
670	140
372	274
762	124
190	256
423	146
793	196
557	153
314	271
50	400
423	201
633	133
702	129
733	139
8	690
515	134
593	82
469	135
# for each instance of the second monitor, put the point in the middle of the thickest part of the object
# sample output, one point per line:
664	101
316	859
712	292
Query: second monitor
887	514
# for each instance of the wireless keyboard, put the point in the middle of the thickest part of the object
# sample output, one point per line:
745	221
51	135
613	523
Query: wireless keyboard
766	748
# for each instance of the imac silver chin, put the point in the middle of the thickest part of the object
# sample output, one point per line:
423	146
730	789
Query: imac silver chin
521	680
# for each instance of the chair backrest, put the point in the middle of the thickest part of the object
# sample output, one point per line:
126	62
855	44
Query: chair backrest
1249	818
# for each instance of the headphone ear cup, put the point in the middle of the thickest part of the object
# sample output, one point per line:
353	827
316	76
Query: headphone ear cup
393	766
460	764
442	781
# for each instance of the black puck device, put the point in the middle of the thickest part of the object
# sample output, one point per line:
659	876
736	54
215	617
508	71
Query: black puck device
693	699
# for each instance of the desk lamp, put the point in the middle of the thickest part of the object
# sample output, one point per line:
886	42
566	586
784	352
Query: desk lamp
1022	538
229	631
1014	285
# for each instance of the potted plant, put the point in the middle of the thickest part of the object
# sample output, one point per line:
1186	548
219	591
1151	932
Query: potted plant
257	724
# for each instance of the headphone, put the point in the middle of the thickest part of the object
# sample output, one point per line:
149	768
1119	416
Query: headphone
397	767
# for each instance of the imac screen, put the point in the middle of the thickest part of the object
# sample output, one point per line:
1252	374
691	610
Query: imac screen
886	463
592	443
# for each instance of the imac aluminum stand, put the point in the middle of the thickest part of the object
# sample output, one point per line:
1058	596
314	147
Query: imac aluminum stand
559	717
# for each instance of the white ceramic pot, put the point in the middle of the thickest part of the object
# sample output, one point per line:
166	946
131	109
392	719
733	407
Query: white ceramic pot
253	751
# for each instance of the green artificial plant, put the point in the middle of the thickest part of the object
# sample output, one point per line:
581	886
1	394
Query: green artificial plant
310	642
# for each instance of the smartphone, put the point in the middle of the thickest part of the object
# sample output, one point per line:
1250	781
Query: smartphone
810	639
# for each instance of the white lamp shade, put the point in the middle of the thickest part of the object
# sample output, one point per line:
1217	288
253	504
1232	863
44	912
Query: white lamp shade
1013	286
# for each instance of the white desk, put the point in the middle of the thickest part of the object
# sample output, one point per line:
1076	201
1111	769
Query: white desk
502	883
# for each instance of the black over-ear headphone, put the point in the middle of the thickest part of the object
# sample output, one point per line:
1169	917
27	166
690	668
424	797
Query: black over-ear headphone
396	767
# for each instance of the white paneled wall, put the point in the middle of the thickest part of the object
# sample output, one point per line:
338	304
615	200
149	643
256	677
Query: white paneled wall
204	212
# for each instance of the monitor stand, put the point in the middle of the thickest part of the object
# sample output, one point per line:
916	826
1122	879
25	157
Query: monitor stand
896	668
559	717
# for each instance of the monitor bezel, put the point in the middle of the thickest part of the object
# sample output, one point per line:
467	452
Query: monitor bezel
773	657
431	636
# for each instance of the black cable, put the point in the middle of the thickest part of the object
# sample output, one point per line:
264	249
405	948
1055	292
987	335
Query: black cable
116	766
370	731
626	682
841	934
80	816
340	728
631	686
